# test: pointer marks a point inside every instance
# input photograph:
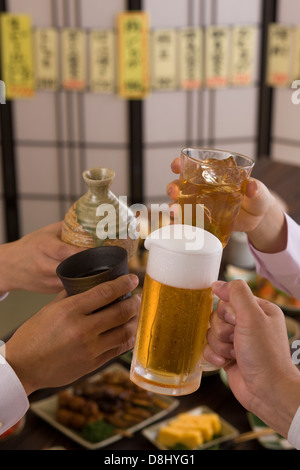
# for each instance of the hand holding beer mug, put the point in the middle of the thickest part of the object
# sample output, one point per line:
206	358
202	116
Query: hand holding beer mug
217	179
177	302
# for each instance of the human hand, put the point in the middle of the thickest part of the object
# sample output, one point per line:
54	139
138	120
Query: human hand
252	333
64	341
30	263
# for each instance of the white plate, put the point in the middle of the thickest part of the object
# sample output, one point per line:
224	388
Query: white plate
273	441
46	409
228	432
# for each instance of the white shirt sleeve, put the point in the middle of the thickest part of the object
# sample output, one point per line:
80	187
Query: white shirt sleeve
294	431
283	268
13	399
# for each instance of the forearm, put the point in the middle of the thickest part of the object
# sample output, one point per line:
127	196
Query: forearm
270	236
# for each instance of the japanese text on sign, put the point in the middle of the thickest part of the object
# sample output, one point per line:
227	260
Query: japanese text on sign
17	55
73	59
296	75
217	56
133	45
242	69
102	61
191	58
46	59
279	55
164	66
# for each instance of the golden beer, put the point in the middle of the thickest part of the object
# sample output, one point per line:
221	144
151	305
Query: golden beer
219	183
173	329
174	317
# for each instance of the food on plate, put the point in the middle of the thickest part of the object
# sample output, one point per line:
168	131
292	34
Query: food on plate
263	288
96	432
173	437
108	405
190	431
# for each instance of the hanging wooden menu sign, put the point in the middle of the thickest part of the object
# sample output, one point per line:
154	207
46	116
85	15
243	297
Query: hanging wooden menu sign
191	58
217	56
280	48
102	61
242	67
17	55
133	55
164	62
46	59
74	59
296	75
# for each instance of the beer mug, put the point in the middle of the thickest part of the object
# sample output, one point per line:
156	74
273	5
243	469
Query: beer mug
177	302
217	180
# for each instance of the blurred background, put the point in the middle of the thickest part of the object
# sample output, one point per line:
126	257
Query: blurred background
56	135
48	140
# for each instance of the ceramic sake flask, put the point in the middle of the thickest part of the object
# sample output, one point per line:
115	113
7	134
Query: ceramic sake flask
99	218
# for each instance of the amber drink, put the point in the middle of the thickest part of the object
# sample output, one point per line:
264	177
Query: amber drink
217	180
176	307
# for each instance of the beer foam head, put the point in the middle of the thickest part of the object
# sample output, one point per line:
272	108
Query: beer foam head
183	256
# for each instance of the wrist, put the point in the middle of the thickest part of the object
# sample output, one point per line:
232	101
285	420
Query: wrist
6	269
278	408
270	235
21	370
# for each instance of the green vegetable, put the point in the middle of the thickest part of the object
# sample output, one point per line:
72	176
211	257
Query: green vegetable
98	431
284	294
179	446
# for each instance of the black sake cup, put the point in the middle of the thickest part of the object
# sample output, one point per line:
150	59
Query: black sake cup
92	267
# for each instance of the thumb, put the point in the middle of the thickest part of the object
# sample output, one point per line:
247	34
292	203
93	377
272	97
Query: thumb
257	198
238	296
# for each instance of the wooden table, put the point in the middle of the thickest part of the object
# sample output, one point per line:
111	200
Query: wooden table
37	434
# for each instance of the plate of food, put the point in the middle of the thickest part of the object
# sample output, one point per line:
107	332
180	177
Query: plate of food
103	409
197	429
264	289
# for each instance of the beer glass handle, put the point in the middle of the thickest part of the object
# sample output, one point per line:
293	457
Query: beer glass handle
207	367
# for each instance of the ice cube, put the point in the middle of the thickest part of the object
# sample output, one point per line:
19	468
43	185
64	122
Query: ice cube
222	171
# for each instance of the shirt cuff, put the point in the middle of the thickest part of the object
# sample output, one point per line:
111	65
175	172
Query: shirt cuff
282	268
294	431
13	399
3	296
277	262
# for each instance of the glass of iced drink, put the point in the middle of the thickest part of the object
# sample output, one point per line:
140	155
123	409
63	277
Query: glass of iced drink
216	180
177	302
